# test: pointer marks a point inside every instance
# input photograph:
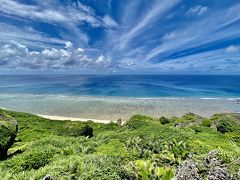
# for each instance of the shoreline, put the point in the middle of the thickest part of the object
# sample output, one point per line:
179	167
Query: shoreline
66	118
105	110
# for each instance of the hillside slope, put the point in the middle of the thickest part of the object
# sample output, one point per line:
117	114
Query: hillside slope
143	148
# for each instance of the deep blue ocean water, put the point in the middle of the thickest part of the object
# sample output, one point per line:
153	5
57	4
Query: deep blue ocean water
123	85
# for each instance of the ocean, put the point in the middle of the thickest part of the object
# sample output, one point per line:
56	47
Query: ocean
123	85
120	96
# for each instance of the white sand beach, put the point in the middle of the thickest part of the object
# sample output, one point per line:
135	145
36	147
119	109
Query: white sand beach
64	118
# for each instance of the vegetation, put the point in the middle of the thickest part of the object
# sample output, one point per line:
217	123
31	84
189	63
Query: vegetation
189	147
163	120
8	132
225	125
206	122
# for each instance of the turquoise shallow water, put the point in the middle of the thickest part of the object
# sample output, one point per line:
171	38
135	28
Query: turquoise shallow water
113	108
113	97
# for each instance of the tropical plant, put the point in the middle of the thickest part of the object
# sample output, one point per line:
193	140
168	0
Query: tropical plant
146	170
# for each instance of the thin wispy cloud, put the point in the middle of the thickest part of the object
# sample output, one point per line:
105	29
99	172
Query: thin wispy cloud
28	36
158	9
232	49
198	10
196	37
51	14
120	36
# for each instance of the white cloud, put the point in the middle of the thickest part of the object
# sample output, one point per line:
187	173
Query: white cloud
27	36
69	45
16	55
109	22
169	36
232	49
208	62
103	61
158	9
194	35
131	63
68	17
199	10
14	8
51	12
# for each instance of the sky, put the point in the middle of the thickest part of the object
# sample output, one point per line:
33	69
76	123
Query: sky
120	36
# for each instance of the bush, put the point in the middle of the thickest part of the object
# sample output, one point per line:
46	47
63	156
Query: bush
206	123
35	160
8	132
141	148
163	120
75	131
196	128
138	121
30	160
143	169
225	125
190	117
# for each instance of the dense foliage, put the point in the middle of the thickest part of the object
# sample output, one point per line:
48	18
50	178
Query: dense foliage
190	147
8	132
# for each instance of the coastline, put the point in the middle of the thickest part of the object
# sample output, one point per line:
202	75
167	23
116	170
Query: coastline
107	109
66	118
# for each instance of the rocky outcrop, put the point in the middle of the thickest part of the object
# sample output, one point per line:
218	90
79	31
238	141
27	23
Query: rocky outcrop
219	173
215	166
187	171
212	159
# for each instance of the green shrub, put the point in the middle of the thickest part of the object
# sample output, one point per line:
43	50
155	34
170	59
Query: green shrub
30	160
35	160
8	133
76	130
163	120
145	169
190	117
225	125
138	121
163	150
173	119
92	167
206	123
196	128
141	148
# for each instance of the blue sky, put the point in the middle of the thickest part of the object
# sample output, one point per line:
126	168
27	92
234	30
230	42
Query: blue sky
120	36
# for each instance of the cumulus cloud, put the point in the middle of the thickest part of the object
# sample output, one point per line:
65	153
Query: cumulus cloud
232	49
16	55
199	10
69	45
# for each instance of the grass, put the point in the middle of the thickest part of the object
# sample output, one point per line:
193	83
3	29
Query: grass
143	148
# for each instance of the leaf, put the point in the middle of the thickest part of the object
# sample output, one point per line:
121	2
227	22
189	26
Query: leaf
184	153
168	175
